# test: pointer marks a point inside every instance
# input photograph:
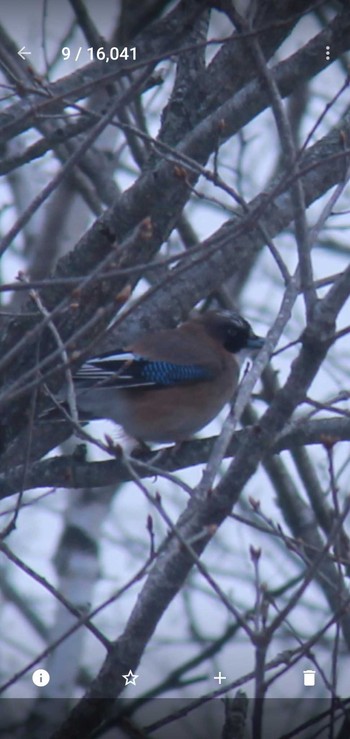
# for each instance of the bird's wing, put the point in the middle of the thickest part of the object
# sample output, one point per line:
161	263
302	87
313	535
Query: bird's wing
128	370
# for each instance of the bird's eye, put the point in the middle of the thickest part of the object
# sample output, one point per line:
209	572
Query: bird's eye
234	330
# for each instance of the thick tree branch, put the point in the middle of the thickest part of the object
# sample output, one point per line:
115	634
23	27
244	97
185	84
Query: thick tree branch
73	472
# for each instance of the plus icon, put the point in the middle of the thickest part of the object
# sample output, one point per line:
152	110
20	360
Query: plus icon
219	677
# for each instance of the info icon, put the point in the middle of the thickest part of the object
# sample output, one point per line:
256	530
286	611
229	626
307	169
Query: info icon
309	677
40	677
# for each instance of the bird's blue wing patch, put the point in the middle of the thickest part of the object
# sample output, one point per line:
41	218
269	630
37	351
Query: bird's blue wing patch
169	373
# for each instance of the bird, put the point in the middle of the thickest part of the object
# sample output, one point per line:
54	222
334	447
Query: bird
169	383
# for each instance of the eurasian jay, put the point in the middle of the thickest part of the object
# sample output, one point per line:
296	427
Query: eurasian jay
170	383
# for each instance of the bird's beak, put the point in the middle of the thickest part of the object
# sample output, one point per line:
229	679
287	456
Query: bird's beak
255	342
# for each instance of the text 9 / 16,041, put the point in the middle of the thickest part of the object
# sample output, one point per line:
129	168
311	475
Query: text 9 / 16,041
101	54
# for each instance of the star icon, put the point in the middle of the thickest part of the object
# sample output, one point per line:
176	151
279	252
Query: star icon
130	678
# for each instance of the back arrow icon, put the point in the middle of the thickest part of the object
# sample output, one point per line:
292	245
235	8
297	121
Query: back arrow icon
23	53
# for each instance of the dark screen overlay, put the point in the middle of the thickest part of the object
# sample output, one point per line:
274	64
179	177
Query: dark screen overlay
145	149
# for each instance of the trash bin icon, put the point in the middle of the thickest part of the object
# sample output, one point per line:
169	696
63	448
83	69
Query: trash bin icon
309	677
